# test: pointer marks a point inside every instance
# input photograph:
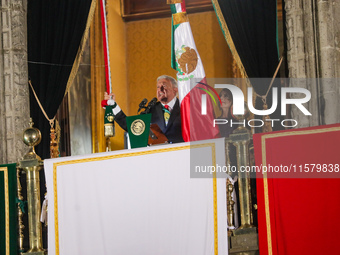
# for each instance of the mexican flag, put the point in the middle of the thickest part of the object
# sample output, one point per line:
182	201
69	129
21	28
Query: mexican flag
197	118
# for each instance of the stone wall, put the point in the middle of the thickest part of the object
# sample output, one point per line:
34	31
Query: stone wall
313	50
14	93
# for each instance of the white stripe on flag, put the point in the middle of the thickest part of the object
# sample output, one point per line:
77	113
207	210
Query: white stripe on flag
178	8
183	36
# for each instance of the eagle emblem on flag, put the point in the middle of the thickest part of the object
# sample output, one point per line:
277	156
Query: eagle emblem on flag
186	60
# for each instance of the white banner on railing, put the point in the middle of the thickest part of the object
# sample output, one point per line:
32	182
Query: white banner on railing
139	201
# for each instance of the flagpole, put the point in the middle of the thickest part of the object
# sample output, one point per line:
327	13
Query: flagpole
106	47
109	128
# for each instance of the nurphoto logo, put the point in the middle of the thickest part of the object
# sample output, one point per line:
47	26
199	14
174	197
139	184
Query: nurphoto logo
238	107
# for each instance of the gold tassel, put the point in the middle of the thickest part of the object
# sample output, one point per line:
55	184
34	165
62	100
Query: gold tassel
267	124
58	131
55	138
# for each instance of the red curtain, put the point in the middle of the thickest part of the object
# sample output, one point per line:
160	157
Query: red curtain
298	209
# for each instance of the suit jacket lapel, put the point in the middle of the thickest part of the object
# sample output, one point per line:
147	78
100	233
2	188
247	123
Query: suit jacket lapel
160	120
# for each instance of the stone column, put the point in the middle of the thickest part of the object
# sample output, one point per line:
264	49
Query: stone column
313	34
14	93
328	24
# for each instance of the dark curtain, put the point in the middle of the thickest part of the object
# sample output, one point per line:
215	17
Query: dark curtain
253	28
55	29
252	25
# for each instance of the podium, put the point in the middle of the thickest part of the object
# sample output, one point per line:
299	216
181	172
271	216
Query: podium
138	201
142	133
156	135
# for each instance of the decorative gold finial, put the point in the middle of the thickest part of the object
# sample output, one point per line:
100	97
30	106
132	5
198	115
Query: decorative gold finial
31	138
31	163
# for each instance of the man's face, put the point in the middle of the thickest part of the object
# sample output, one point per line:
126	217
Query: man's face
165	91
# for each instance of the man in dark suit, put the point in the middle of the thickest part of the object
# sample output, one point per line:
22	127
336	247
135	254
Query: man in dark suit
165	113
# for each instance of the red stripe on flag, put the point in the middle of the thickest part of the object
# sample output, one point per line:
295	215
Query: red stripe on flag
104	30
183	6
196	126
185	118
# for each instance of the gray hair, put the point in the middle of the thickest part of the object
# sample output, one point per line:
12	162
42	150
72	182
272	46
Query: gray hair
169	78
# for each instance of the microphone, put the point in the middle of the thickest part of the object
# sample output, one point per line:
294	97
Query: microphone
142	104
151	104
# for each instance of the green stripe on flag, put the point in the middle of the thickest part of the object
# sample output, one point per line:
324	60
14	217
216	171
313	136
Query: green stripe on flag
173	8
173	54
